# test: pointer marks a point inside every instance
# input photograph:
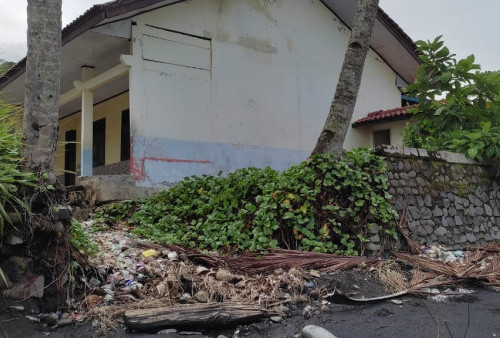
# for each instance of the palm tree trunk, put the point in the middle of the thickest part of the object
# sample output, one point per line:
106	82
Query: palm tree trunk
334	131
41	104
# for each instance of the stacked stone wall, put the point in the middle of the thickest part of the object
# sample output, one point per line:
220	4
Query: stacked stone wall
450	200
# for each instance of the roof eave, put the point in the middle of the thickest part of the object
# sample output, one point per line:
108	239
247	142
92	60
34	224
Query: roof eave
398	32
396	118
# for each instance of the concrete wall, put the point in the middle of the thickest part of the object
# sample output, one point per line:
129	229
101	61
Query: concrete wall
450	199
111	110
253	89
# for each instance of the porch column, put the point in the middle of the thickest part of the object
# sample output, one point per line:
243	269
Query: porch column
87	125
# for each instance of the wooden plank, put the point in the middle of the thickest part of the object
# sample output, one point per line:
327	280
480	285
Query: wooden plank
192	316
177	53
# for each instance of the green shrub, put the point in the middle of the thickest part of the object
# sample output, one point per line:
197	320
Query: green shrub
80	239
11	176
322	204
459	106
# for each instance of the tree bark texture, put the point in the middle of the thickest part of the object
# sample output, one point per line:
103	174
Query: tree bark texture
339	117
194	316
41	103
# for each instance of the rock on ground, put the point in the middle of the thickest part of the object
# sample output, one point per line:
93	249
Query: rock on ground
313	331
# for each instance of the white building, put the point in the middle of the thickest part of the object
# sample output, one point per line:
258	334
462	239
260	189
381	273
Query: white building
203	86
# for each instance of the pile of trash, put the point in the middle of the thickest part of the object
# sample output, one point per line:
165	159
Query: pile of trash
443	254
132	275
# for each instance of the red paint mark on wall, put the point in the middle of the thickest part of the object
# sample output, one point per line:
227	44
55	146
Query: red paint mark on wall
139	171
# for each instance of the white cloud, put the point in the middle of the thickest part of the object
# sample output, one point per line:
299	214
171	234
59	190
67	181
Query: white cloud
469	27
13	24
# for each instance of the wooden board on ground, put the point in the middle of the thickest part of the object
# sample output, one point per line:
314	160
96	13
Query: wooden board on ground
191	316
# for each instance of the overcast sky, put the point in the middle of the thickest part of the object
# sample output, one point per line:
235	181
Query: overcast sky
468	27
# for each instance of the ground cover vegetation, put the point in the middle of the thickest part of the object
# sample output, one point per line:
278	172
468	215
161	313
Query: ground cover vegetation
12	177
325	204
458	106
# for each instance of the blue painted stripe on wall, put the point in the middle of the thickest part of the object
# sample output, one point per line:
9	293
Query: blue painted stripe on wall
169	160
86	162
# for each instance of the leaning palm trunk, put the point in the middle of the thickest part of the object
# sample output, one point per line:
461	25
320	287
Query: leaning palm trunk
334	131
41	104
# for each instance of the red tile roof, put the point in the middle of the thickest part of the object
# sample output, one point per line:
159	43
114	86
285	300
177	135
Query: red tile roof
400	113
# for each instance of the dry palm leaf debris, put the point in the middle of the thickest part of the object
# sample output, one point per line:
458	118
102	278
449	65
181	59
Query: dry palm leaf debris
138	275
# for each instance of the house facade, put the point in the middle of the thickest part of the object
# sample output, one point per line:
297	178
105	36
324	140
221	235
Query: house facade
167	89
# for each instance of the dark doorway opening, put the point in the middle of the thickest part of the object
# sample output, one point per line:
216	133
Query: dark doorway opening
99	143
381	137
125	139
70	157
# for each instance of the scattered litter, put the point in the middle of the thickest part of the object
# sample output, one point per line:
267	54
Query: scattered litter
135	274
150	253
396	301
167	331
309	285
19	308
173	256
33	319
315	273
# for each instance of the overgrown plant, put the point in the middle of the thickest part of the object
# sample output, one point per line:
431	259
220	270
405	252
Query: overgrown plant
11	175
80	239
458	106
322	204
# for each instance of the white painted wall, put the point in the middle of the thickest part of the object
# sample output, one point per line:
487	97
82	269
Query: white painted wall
273	71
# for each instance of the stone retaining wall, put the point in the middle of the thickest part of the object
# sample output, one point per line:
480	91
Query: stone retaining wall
451	200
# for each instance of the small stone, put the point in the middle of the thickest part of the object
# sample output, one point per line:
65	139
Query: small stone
373	229
201	296
496	212
415	212
479	211
313	331
471	238
441	231
276	319
64	322
426	213
14	240
488	210
437	212
458	220
62	212
428	201
373	247
396	301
